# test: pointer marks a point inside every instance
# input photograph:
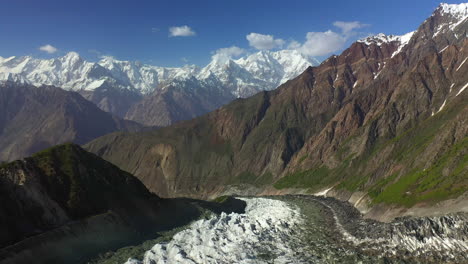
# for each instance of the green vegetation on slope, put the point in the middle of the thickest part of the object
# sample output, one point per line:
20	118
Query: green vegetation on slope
446	178
81	182
305	179
431	184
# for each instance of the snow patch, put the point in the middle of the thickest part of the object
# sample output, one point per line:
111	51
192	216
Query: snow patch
404	39
462	89
442	50
381	38
463	62
442	106
324	192
377	75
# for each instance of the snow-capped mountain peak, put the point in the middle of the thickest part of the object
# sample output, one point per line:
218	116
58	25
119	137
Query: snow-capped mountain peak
381	38
12	77
4	60
450	16
278	66
459	11
264	70
292	62
71	56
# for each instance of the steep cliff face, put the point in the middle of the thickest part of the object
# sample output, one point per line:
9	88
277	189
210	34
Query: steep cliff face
386	119
34	118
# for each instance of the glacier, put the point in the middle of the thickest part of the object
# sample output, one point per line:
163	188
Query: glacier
311	229
234	238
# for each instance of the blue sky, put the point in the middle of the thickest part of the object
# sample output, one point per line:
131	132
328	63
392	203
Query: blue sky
140	30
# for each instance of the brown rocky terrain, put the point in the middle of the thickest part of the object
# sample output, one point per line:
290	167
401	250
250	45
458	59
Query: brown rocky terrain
111	100
178	101
34	118
381	120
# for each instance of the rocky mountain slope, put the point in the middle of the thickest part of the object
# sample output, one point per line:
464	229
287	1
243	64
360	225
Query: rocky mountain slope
181	100
59	185
34	118
131	89
66	205
384	123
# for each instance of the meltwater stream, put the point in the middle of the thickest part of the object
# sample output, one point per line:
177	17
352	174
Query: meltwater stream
307	229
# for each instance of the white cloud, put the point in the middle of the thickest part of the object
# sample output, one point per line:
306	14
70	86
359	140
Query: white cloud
232	51
182	31
264	42
324	43
48	48
225	54
347	28
294	45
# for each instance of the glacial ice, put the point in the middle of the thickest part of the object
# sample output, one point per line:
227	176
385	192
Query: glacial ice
233	238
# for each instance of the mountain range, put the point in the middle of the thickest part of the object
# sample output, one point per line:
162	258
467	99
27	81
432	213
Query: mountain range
383	125
158	96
